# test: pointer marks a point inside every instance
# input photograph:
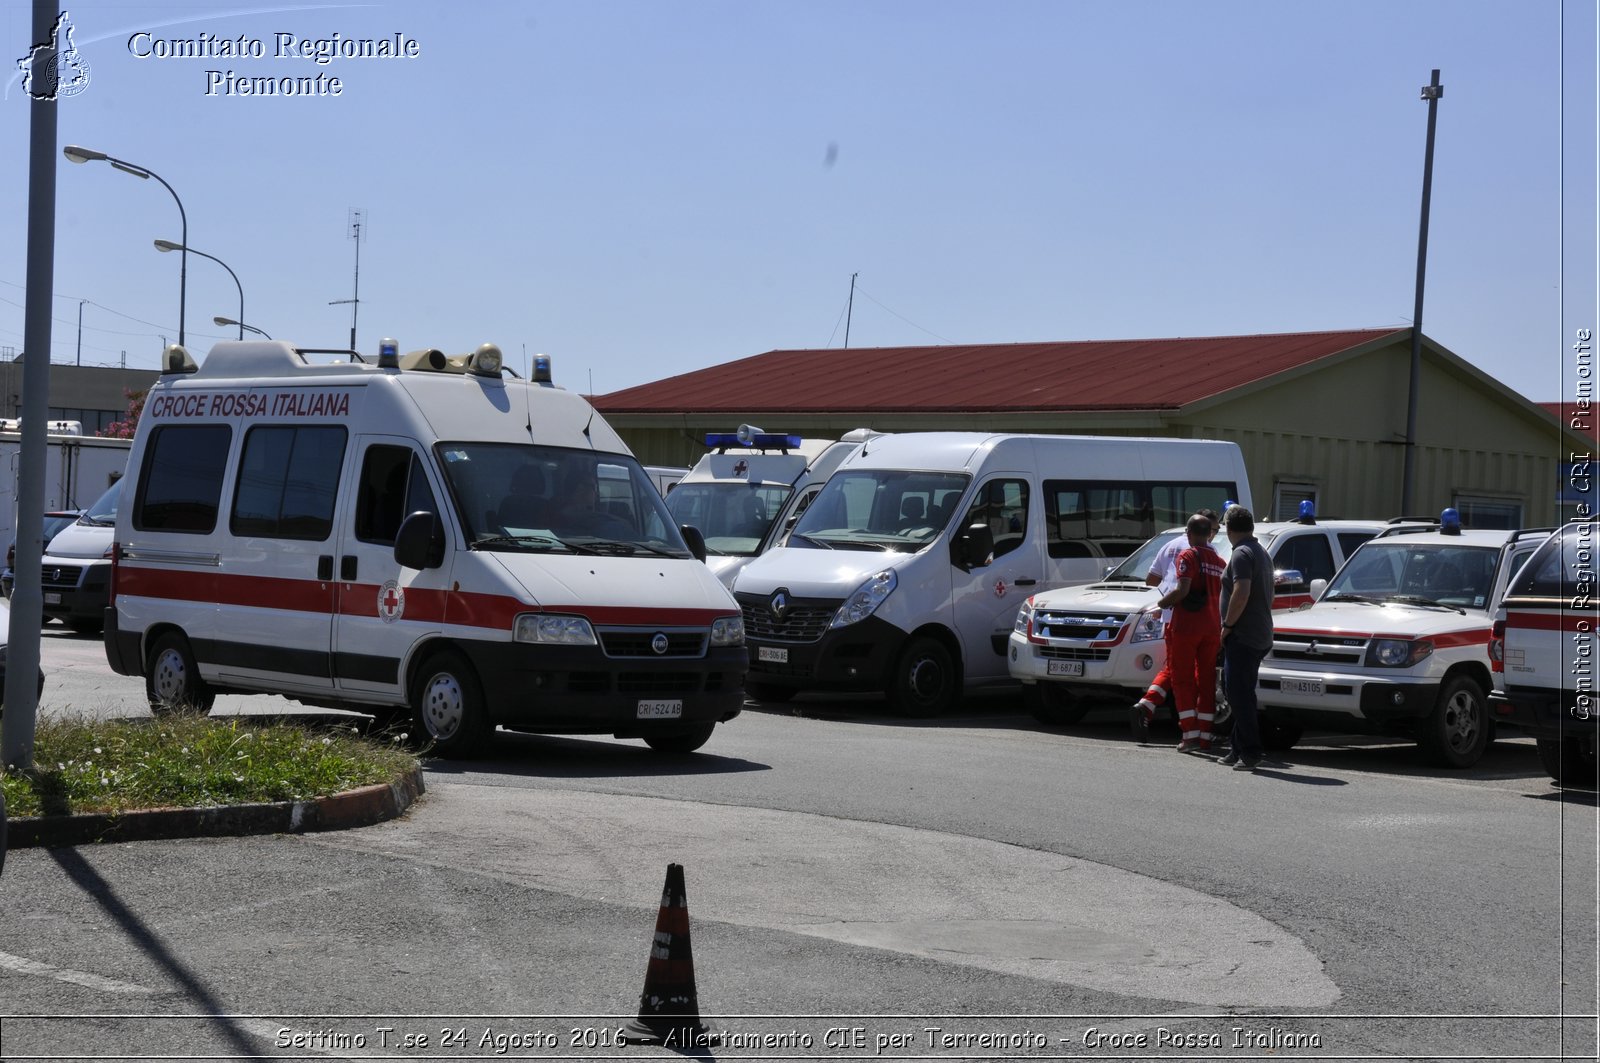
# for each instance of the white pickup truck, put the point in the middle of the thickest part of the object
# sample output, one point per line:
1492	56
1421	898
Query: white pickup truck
1543	652
1397	644
1103	640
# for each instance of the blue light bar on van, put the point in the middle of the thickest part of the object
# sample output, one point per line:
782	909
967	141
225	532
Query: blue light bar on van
764	440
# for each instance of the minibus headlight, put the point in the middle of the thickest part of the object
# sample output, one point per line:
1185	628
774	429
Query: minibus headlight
553	630
864	601
727	631
1397	653
1147	628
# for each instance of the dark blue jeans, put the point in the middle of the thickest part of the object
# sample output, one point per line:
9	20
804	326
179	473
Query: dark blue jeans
1241	666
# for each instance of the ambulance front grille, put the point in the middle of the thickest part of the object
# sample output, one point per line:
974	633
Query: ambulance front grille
640	642
60	575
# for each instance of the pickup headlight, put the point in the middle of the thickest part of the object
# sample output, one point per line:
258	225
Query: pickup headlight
1147	628
1024	621
1397	653
727	631
864	601
553	630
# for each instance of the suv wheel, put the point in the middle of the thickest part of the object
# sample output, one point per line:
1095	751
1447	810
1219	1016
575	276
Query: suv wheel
1458	730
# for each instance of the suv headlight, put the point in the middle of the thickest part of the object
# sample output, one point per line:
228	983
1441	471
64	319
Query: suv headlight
864	601
553	630
727	631
1147	628
1397	653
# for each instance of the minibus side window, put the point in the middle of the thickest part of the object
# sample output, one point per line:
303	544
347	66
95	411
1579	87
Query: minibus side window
1003	506
288	482
1090	518
181	483
393	486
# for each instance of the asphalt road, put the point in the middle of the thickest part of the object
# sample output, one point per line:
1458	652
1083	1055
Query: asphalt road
858	886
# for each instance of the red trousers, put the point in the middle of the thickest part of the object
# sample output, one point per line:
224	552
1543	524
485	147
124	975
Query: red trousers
1192	659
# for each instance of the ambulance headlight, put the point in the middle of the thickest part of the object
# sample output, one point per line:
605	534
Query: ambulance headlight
553	630
865	599
1147	628
1397	653
727	631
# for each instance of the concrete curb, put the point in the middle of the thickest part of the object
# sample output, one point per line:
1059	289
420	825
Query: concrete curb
354	808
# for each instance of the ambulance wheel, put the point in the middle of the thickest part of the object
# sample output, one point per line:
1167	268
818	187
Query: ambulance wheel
447	705
172	678
682	742
1455	734
1054	704
1570	761
769	692
924	682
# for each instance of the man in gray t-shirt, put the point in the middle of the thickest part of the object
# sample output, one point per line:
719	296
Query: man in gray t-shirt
1246	632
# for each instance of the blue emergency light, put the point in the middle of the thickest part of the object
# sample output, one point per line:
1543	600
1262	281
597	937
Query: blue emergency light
541	369
755	440
388	353
1450	522
1308	511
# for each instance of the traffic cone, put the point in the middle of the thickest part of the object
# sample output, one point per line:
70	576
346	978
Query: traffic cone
669	1013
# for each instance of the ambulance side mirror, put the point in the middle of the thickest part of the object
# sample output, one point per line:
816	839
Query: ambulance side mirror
693	540
972	547
420	541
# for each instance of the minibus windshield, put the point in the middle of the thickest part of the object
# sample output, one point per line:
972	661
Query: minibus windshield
880	509
523	497
733	516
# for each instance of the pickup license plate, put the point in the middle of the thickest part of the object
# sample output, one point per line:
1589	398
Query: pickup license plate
775	654
52	598
660	710
1063	668
1312	687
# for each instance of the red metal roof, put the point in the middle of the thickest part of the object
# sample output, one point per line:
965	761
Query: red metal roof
1583	418
1154	374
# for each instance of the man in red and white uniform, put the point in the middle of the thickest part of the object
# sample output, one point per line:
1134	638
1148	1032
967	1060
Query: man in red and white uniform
1162	575
1194	637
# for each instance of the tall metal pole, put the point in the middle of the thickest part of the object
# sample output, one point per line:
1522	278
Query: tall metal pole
1431	92
80	330
849	308
27	600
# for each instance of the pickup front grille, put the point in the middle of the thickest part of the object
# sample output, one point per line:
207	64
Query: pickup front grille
1087	627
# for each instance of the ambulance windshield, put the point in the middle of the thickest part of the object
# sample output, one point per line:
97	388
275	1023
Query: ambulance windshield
733	515
521	497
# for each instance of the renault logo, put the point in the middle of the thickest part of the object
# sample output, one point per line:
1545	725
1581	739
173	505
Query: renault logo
779	606
659	643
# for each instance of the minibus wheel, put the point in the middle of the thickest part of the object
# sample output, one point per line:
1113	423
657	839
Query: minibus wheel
447	704
172	678
924	681
682	742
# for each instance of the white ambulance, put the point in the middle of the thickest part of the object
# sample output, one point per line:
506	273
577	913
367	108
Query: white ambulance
746	491
905	574
1396	644
419	535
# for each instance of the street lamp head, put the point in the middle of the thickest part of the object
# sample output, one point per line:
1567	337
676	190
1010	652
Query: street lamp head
81	155
223	321
168	245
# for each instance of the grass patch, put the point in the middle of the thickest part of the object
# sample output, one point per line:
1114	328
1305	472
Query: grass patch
191	761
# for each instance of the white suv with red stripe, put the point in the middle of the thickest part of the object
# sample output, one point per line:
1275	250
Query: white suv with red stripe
1396	644
1544	653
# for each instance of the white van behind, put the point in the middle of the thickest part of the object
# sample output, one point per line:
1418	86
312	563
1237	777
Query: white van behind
906	572
419	536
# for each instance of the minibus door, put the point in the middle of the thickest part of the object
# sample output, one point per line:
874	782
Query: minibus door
987	596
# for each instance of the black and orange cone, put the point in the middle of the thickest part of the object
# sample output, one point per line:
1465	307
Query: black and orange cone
669	1012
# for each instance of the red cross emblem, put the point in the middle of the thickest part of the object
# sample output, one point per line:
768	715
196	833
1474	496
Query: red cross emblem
999	588
391	602
741	467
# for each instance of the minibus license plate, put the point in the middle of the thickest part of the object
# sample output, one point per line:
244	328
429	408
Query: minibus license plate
1313	687
52	598
660	710
775	654
1063	668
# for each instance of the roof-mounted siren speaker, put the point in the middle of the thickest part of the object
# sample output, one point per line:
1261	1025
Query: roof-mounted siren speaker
486	360
747	435
177	360
541	369
388	353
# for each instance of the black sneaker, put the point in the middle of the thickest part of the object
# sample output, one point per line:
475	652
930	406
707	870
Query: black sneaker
1247	765
1139	724
1229	760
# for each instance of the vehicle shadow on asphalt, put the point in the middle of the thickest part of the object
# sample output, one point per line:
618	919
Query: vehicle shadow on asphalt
997	711
560	757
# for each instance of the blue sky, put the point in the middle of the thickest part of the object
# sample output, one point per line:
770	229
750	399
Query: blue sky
642	189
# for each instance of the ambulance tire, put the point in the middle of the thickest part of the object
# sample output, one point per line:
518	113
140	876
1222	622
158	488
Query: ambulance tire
447	705
1570	761
1054	705
925	681
1455	733
172	680
682	742
769	692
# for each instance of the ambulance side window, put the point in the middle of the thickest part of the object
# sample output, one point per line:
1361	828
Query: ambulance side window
288	482
182	478
392	487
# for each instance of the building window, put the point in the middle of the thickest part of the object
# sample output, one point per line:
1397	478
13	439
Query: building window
1287	496
1478	511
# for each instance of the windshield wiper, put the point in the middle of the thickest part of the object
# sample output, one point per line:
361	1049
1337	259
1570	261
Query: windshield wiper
617	546
1417	599
814	542
1347	597
517	540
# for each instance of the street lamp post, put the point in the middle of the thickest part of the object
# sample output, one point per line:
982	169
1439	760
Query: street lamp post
225	321
168	245
81	155
80	330
1430	93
